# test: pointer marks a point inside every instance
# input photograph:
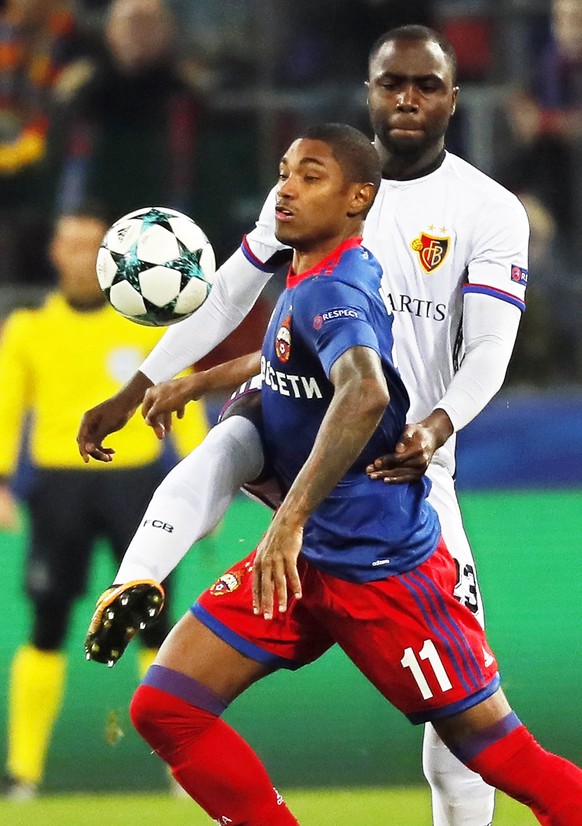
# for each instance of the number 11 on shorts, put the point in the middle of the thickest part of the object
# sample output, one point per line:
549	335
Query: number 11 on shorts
429	653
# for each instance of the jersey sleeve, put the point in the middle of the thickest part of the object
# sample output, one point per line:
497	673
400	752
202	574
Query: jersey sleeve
498	265
489	332
335	317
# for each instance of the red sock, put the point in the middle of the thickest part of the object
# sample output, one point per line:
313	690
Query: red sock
209	759
551	786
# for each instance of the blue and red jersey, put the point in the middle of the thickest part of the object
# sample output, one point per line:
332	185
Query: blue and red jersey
364	530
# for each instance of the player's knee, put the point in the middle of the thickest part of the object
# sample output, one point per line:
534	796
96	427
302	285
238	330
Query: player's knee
147	712
248	405
167	722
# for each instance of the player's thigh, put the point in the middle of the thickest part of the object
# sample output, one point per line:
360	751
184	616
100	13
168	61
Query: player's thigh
192	649
423	650
245	401
62	534
443	497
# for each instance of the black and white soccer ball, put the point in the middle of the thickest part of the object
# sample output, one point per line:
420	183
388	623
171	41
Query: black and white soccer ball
155	266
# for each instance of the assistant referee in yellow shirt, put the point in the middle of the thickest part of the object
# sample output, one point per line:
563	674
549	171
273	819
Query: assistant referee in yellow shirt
43	352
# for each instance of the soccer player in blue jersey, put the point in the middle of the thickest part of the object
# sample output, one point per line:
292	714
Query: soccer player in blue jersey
453	247
344	560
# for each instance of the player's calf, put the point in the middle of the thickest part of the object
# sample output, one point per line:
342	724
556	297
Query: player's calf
122	611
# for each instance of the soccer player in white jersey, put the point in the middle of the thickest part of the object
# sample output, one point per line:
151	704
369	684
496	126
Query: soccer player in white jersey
453	246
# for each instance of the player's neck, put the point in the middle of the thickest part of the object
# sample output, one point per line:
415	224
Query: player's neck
398	168
306	259
86	304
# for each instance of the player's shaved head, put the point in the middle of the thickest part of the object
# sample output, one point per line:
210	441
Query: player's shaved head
422	34
354	152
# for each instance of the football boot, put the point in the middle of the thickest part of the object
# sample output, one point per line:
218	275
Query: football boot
122	611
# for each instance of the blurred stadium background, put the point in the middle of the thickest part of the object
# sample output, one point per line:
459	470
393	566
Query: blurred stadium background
280	65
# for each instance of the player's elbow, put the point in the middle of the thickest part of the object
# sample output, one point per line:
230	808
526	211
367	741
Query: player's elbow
374	398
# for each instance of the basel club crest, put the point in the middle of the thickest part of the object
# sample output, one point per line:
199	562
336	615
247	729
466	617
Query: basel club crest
431	251
283	342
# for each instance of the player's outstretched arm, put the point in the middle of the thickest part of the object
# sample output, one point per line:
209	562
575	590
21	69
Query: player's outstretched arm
108	417
359	401
172	396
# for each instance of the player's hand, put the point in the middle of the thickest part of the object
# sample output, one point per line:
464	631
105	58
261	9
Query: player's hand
108	417
168	397
275	566
414	450
97	423
410	459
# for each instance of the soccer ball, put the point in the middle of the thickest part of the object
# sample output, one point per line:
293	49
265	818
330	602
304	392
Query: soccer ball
155	266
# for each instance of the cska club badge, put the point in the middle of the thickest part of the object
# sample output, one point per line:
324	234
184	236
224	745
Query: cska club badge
431	251
226	584
283	341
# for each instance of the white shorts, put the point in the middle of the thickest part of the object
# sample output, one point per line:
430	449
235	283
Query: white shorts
443	498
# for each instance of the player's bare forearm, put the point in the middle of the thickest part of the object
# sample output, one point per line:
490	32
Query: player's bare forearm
231	374
359	401
108	417
414	450
169	397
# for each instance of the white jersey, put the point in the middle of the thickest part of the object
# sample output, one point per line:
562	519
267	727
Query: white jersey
438	237
447	242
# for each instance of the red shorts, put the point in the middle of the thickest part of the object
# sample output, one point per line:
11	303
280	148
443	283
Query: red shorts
421	648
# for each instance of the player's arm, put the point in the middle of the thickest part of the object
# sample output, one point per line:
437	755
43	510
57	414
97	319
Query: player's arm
493	301
168	397
489	328
237	285
359	401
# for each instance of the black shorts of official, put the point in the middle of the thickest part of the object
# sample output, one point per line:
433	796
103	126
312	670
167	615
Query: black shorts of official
70	510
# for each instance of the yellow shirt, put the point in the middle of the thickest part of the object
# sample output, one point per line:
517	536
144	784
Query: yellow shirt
57	362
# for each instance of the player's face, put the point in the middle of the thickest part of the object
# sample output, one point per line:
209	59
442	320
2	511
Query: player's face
313	198
74	249
411	97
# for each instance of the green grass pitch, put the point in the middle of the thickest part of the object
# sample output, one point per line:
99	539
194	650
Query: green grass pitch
316	807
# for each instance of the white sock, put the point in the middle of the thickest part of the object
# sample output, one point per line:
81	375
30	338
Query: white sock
460	797
192	499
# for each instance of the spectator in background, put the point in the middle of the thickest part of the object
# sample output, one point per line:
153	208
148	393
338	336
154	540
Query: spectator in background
535	361
134	128
560	78
331	39
71	505
38	40
539	162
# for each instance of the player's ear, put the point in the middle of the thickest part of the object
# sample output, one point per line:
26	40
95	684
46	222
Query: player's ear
455	96
362	196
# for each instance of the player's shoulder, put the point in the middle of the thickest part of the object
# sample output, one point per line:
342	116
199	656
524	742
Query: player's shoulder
477	185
